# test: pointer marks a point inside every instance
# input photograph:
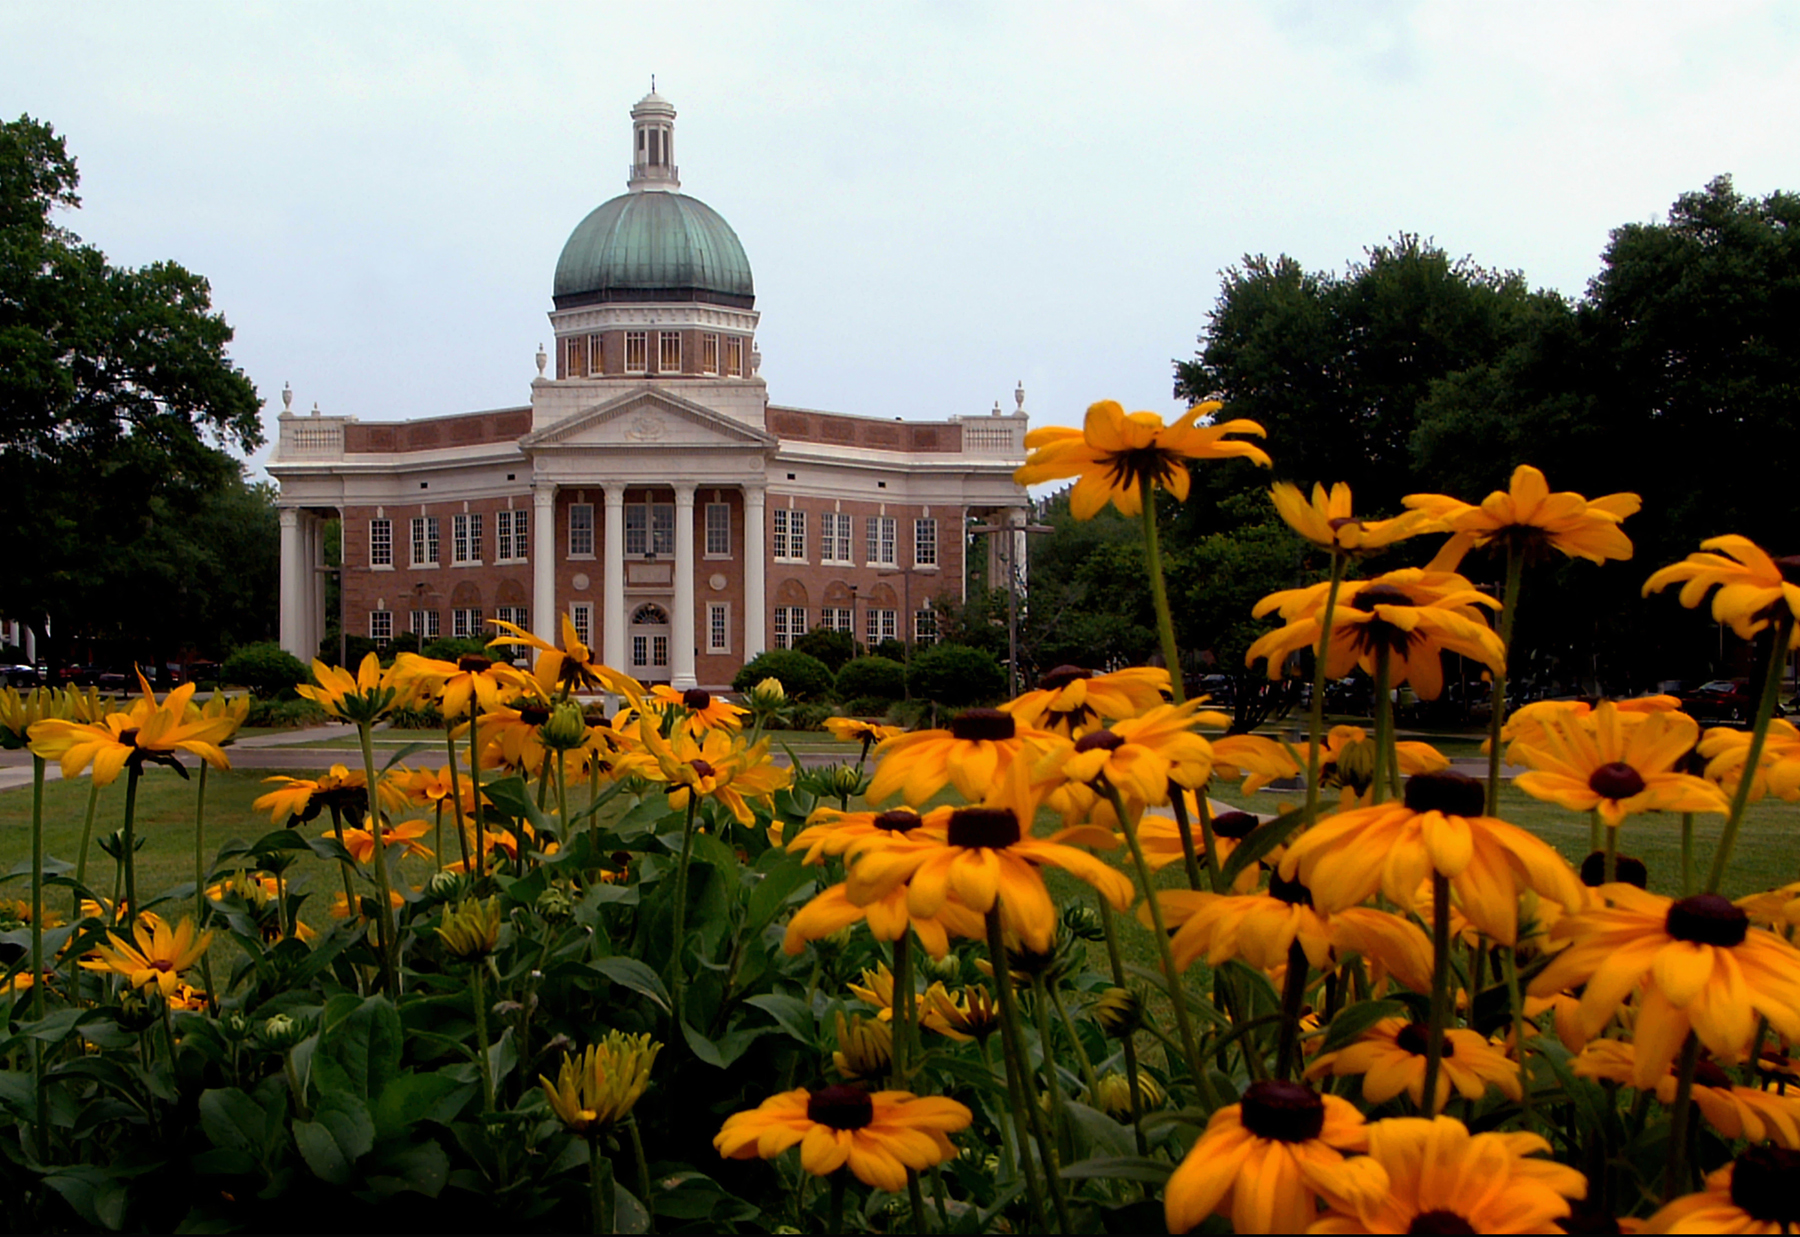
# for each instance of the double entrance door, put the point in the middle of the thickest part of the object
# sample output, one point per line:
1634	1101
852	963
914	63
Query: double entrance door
647	643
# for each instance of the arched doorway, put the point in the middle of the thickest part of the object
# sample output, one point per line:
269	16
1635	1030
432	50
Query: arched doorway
647	640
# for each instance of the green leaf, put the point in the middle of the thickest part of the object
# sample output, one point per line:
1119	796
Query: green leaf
1263	839
421	1167
720	1053
340	1132
409	750
233	1120
772	891
1121	1167
408	1100
360	1053
709	850
96	1195
1352	1020
1098	1132
644	817
634	975
790	1013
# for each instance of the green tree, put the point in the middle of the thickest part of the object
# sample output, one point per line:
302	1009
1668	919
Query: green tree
116	396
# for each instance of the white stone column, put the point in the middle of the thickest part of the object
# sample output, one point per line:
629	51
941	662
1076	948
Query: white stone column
681	623
612	575
756	588
546	624
293	587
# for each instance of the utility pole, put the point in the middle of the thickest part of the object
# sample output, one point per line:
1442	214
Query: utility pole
1011	551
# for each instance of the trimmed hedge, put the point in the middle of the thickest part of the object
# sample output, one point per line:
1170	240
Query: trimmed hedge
266	669
876	678
956	675
801	677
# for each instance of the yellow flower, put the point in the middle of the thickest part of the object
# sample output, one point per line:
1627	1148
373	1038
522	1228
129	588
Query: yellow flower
1600	763
1258	760
878	1136
1327	521
19	713
702	711
1113	1095
1779	908
1526	725
301	799
1438	827
1414	614
361	842
888	918
1443	1179
865	1047
1778	770
718	767
972	756
1390	1056
1115	451
472	930
598	1089
855	730
1700	967
1160	838
1736	1112
159	956
145	732
571	668
1071	701
455	686
365	697
1528	516
1265	1161
1140	756
1751	585
1752	1194
972	1014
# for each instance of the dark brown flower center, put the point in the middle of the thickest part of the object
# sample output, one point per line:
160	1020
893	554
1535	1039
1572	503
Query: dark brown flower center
1707	919
1790	567
1439	1221
1415	1036
1234	825
1102	740
472	663
128	736
696	698
701	768
1380	595
534	714
900	820
1291	892
162	964
1586	1217
840	1106
1453	794
1616	781
1338	522
972	725
1288	1112
1627	869
991	828
1062	676
1762	1183
1708	1074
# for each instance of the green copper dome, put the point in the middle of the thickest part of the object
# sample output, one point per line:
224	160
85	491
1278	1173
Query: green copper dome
653	246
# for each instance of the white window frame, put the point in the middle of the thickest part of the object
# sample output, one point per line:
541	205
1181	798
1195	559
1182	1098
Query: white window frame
465	539
518	616
381	627
579	534
426	624
581	614
789	524
596	356
709	353
925	629
663	340
638	343
878	540
575	356
880	625
718	530
839	618
835	532
425	541
510	544
734	356
466	623
790	625
925	541
718	627
381	544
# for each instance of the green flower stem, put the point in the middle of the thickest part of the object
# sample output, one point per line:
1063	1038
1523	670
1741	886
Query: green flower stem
462	832
1509	608
478	985
1126	1041
1765	709
1687	853
1159	593
1596	839
677	965
1186	833
1293	996
1088	1078
87	833
902	1007
1610	872
385	932
834	1220
1011	1131
1384	728
37	954
1214	875
344	865
543	778
1317	723
1025	1106
475	776
1177	997
1675	1176
212	1001
645	1186
128	852
437	836
600	1186
1516	997
1440	990
916	1197
1040	1006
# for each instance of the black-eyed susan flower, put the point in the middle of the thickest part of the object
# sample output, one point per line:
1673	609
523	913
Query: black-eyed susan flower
1604	764
718	766
1112	1094
1390	1056
1437	828
972	1014
598	1089
145	732
1526	515
1775	908
888	918
1265	1161
1734	1111
1526	723
878	1136
1115	452
865	1047
1071	701
1256	759
1752	1194
972	755
1696	964
157	954
1414	616
571	668
300	799
1752	586
695	710
472	930
1443	1179
19	712
1347	761
360	842
830	831
364	697
856	730
1726	748
1161	839
1139	756
1327	520
456	687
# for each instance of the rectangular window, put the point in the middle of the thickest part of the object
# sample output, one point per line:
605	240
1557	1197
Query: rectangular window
881	625
381	626
425	541
925	626
718	628
668	352
640	657
518	616
718	530
581	530
509	536
465	624
838	619
790	625
925	543
662	527
709	354
659	650
649	527
575	353
734	357
381	543
596	350
834	539
465	538
637	352
425	625
790	534
581	613
880	539
637	533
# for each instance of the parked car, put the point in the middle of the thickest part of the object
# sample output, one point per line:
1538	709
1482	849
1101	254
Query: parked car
21	676
80	676
1724	699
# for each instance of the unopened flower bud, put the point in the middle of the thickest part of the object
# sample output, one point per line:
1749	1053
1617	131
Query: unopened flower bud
445	886
865	1047
555	904
566	729
471	931
282	1032
1113	1094
1119	1012
1083	922
769	692
944	970
846	781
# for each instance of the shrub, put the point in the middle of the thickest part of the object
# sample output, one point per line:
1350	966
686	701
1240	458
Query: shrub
829	645
956	675
284	714
809	716
266	669
449	649
878	678
801	676
419	717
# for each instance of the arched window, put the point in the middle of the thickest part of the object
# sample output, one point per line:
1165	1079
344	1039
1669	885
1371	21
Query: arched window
649	612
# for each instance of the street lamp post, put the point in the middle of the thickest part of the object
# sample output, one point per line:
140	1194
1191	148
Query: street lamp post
906	574
1007	547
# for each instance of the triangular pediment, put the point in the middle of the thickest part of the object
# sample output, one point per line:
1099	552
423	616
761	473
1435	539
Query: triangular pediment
648	419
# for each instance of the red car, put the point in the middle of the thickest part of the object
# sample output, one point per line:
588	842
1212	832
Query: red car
1727	699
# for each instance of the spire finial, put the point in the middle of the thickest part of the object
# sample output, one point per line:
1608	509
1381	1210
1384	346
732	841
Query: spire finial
287	398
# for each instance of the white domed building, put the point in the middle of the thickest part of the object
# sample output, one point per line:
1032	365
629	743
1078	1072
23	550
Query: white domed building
649	490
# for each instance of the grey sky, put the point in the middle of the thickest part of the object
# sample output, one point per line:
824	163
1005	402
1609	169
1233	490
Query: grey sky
937	200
